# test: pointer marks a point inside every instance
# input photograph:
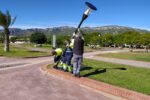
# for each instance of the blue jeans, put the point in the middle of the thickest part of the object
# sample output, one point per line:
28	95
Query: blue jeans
77	61
67	58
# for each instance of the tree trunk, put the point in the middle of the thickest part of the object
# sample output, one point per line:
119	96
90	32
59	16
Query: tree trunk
131	48
114	45
146	49
6	41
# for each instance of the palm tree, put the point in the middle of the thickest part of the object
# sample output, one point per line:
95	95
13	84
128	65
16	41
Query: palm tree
5	22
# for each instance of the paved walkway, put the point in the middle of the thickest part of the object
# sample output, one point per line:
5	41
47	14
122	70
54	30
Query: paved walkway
5	61
115	60
28	83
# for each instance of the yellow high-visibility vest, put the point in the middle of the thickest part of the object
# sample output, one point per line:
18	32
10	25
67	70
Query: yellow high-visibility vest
59	51
72	43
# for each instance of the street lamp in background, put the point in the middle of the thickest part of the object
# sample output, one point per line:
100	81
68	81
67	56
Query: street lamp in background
90	8
54	41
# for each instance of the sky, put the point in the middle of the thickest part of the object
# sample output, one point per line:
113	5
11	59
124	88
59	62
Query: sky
55	13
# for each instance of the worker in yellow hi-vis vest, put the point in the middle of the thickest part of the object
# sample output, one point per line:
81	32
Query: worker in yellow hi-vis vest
57	57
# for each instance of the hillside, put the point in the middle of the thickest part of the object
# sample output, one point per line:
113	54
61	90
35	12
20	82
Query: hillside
69	30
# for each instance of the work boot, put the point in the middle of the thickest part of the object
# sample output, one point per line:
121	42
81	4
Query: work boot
75	75
65	70
78	75
55	66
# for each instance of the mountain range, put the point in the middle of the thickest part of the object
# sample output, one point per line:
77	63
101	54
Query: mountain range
69	30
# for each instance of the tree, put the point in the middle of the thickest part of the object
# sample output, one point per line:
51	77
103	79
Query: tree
60	40
13	39
1	37
5	22
38	38
130	38
117	40
92	38
107	39
145	41
49	39
87	38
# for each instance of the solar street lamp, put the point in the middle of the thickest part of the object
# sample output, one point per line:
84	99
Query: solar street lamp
90	8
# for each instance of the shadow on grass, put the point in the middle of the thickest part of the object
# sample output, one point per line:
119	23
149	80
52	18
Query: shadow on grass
84	67
33	51
98	70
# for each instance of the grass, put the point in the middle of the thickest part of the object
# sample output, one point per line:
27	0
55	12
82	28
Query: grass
31	45
132	78
46	46
21	52
140	56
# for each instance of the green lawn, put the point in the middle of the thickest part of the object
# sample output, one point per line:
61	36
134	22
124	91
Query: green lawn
133	78
140	56
20	52
31	45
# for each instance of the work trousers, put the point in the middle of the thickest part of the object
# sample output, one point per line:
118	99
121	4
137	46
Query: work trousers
77	62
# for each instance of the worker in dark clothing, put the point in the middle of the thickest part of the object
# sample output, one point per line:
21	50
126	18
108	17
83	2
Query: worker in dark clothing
78	51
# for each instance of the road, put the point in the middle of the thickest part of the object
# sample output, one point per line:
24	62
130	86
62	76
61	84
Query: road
27	82
116	60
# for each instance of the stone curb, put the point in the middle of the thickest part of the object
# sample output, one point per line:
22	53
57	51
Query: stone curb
98	86
37	56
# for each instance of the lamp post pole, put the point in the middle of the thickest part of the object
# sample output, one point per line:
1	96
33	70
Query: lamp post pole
86	14
54	41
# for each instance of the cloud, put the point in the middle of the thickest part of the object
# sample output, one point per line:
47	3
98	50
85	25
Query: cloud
75	24
144	28
27	26
63	23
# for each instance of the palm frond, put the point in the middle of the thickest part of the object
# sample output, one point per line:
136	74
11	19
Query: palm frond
3	20
8	18
13	21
